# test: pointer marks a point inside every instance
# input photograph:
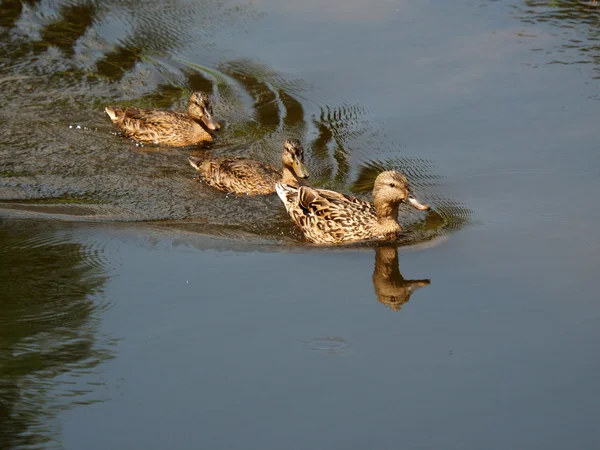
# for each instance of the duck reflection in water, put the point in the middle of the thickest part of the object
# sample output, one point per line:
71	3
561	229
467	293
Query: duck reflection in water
391	288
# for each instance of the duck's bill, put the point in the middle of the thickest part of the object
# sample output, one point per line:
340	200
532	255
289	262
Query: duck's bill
195	162
210	122
300	169
413	285
412	201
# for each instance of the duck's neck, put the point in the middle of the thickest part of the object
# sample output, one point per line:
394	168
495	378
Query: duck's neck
387	216
193	116
288	177
199	132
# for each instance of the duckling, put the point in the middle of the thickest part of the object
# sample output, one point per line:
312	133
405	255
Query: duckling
391	288
328	217
245	176
149	126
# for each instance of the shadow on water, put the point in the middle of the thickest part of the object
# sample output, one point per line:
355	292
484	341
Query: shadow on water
67	60
51	290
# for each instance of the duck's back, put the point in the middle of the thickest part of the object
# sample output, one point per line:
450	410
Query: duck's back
149	126
239	175
329	217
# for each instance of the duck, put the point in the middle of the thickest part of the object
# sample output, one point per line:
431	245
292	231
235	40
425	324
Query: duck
168	128
329	217
241	175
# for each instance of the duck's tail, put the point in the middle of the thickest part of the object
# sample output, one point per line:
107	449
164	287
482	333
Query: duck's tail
282	192
196	162
113	112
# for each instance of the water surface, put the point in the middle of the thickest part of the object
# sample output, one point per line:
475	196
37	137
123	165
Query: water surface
143	310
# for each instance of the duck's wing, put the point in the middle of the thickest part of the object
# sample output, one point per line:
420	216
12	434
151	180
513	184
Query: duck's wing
240	175
324	202
327	217
146	124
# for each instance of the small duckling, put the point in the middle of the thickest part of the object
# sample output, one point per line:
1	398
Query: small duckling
163	127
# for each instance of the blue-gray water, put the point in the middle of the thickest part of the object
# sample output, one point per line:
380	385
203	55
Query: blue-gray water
142	310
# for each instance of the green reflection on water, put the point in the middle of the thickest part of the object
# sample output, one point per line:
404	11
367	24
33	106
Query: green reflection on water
48	333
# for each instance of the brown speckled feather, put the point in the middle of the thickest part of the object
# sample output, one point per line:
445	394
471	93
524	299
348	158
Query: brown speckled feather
149	126
245	176
239	175
328	217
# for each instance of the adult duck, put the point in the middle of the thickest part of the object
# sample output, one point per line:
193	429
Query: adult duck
241	175
163	127
328	217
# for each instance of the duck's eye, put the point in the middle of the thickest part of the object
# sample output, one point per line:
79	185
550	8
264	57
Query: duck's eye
392	185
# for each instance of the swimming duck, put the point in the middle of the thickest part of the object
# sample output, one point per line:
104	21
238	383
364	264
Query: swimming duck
149	126
240	175
328	217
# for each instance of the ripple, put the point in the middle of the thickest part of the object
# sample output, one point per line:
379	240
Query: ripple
60	274
417	170
454	214
577	23
60	158
95	253
329	345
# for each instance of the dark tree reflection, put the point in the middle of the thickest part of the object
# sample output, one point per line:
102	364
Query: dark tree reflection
74	21
50	290
11	10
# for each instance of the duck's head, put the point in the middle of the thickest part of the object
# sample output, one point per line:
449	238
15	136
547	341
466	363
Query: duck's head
200	108
392	187
292	158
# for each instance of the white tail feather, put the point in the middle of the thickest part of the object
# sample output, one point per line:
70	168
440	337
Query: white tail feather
111	113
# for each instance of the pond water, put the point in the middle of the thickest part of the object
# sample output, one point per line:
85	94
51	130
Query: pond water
143	310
